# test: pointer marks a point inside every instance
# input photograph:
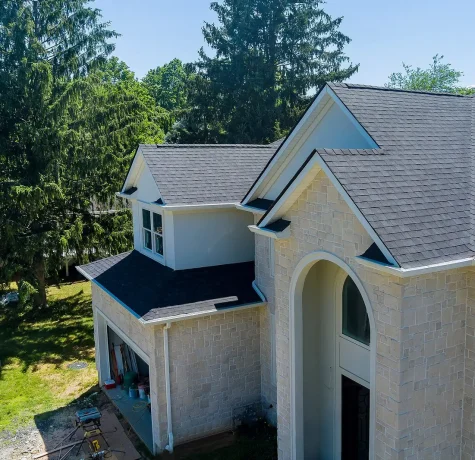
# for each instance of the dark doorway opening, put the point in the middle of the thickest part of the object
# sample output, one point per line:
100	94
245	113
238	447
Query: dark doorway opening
354	420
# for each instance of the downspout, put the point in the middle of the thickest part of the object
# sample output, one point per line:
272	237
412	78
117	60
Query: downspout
169	446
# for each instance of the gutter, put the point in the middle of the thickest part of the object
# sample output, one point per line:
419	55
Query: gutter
269	233
181	207
252	209
169	446
415	271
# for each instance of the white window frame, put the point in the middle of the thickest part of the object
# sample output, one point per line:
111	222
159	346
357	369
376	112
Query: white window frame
152	252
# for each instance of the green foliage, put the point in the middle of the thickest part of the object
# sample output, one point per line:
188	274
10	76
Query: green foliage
70	120
268	56
168	85
439	77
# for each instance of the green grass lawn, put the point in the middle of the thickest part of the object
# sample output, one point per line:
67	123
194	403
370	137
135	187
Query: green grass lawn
34	354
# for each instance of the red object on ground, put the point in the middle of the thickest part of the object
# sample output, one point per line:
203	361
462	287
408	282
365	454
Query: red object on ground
108	384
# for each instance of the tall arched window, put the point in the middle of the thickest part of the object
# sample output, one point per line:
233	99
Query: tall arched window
355	321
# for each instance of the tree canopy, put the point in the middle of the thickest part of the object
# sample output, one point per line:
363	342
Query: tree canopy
69	121
439	77
268	57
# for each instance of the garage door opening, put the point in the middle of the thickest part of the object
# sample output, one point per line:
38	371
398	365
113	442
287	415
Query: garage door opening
131	395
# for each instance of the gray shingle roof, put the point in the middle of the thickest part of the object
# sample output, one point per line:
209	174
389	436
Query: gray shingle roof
416	193
155	292
202	174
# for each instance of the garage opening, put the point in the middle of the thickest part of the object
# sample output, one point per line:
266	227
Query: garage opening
130	391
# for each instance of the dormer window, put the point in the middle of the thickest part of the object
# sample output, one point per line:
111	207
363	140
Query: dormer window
152	231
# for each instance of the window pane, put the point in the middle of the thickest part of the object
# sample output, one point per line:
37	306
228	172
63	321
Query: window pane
157	223
146	219
158	244
355	319
147	239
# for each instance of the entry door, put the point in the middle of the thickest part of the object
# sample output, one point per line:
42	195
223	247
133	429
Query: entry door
353	375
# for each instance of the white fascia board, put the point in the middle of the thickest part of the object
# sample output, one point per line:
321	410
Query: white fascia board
250	209
315	165
269	233
284	147
415	271
186	316
356	211
198	207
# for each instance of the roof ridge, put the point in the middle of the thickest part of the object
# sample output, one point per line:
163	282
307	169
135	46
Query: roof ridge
399	90
171	146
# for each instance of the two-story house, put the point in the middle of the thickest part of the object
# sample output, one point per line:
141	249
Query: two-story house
326	281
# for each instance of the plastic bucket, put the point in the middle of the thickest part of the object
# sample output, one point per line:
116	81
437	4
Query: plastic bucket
142	394
133	393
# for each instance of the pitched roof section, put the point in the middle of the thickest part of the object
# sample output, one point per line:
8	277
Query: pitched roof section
193	174
417	195
155	292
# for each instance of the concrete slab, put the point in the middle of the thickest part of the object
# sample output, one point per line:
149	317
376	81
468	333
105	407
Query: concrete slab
136	412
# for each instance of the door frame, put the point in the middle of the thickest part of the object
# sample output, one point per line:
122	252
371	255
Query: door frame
296	346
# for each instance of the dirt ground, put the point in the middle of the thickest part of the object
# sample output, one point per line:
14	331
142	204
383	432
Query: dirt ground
47	433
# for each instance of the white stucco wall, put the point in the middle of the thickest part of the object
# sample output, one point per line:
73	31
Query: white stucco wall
208	238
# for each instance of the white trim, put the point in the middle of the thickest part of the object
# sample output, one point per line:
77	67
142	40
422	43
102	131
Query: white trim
353	119
269	233
284	146
127	340
259	292
284	149
422	270
186	316
295	302
276	211
250	209
138	158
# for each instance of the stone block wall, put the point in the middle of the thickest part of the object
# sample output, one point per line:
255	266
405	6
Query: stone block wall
214	370
266	284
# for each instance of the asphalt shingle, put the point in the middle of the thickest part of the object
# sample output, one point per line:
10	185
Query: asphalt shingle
202	174
416	192
153	291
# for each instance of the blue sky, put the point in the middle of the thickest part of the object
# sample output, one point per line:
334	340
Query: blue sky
384	33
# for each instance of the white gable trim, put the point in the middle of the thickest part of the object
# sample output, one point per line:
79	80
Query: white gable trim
323	101
134	170
302	181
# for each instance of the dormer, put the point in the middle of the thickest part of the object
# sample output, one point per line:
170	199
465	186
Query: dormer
183	200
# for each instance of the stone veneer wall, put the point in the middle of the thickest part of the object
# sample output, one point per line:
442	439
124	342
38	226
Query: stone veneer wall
419	326
214	368
468	427
214	371
266	284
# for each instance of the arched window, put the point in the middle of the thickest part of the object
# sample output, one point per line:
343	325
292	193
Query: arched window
354	316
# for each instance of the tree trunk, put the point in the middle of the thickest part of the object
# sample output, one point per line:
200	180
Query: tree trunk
39	271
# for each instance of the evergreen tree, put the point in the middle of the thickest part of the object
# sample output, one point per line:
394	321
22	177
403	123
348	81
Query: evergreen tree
269	55
66	132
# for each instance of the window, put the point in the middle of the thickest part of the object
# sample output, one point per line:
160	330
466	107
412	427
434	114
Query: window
152	235
355	321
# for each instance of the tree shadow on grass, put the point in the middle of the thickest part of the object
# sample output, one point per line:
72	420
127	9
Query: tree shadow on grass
61	333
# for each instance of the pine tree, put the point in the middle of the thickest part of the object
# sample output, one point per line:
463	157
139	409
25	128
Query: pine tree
269	55
65	133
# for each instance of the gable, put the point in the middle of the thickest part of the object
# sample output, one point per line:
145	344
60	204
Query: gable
140	178
327	123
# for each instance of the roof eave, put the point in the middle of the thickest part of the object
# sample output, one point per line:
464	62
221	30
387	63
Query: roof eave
269	233
416	271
